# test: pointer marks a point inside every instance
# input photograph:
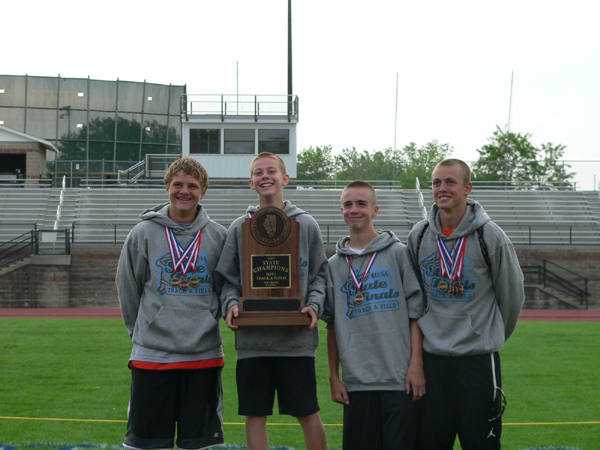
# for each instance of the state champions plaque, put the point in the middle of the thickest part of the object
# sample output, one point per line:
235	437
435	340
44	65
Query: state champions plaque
271	292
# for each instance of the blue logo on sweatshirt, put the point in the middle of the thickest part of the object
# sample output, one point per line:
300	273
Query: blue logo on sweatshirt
378	293
198	282
303	267
438	287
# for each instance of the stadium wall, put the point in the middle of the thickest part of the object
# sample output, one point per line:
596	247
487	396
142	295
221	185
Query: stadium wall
86	278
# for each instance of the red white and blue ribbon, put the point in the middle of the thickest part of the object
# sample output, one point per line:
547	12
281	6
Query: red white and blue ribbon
452	262
184	259
357	283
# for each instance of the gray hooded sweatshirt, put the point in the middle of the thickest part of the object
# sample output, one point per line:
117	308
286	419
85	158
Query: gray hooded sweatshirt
258	341
481	318
170	320
373	337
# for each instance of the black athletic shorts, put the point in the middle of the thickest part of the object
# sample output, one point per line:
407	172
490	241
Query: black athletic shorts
163	402
294	379
380	420
460	400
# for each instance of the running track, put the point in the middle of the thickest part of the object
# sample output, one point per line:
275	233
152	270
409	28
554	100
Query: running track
554	315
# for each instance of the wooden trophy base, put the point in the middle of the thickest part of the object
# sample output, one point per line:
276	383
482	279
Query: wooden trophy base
271	311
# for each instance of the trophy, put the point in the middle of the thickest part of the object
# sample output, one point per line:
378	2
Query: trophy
271	271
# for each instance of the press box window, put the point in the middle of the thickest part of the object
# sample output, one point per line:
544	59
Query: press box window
239	142
274	141
205	141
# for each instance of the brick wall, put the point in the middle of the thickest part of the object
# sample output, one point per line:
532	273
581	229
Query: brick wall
87	277
582	261
92	274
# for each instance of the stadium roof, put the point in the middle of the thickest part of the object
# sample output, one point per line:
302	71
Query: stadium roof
17	136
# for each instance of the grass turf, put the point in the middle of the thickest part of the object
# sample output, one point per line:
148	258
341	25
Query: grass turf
75	369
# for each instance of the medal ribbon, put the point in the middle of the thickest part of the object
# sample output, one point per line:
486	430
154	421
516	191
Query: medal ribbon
357	283
183	259
452	263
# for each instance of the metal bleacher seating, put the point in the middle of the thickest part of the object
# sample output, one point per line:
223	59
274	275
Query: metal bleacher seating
544	217
107	215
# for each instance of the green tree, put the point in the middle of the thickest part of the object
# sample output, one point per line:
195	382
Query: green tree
355	165
316	163
512	157
551	170
405	165
419	162
504	157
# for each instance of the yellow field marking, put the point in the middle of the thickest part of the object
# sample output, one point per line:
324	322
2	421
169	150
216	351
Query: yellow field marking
553	423
282	424
63	420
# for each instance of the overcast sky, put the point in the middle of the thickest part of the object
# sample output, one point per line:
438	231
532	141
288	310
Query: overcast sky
454	61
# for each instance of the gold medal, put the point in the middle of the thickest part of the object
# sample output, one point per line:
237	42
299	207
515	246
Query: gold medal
175	282
194	282
443	286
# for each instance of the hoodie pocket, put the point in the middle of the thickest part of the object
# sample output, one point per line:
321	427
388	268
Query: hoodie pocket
449	335
180	330
379	357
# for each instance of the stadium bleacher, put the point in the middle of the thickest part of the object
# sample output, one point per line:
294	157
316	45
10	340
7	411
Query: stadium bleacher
106	215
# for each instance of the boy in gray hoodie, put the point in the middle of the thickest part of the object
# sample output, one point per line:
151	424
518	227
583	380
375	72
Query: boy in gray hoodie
373	302
276	358
474	292
170	306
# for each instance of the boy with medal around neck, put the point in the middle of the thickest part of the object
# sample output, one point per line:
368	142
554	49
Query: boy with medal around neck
170	305
276	358
373	302
474	295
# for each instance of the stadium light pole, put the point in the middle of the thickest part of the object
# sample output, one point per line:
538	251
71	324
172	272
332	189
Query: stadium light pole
290	90
508	127
395	129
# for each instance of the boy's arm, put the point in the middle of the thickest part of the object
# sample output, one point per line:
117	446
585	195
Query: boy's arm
412	244
338	390
228	270
317	266
415	377
130	278
508	284
411	284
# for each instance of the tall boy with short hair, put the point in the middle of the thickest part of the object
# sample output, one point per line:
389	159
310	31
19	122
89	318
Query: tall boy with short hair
373	302
473	286
276	358
170	306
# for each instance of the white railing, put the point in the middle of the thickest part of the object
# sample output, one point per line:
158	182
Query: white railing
123	175
421	200
60	202
239	105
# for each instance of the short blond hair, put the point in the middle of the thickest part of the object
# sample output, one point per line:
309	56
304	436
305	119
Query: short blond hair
189	166
264	155
465	170
364	185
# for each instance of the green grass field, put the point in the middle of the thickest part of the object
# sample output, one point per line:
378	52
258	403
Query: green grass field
65	381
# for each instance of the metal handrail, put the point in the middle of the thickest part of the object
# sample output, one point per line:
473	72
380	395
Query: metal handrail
245	105
550	278
421	199
128	171
11	251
